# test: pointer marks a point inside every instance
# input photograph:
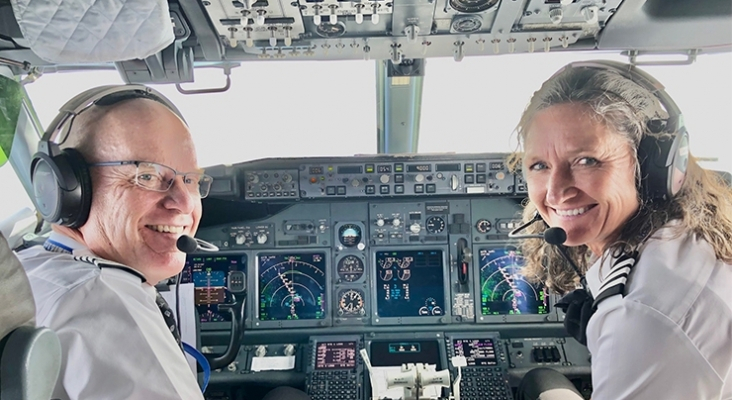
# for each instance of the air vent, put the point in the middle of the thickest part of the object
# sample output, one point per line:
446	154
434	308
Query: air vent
466	24
328	30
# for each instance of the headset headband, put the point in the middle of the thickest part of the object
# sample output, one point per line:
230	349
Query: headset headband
88	98
634	74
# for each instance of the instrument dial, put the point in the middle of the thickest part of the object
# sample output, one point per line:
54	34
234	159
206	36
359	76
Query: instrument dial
349	235
435	224
483	225
351	302
350	268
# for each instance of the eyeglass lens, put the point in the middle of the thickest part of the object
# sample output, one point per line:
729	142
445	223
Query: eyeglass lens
160	178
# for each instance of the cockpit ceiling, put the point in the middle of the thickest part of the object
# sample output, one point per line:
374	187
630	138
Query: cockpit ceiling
231	31
389	29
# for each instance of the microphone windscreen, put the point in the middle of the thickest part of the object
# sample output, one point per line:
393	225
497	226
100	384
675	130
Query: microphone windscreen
186	244
555	236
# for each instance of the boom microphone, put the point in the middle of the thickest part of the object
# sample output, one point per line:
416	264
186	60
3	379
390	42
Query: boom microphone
190	245
555	236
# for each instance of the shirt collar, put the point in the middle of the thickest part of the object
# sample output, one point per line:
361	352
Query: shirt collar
60	243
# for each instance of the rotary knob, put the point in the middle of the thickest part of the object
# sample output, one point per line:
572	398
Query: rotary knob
240	239
415	228
262	238
396	222
384	178
289	350
380	222
261	351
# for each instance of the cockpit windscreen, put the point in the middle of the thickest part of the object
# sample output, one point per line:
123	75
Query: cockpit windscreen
503	289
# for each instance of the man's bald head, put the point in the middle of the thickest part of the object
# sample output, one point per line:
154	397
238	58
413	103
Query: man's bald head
96	131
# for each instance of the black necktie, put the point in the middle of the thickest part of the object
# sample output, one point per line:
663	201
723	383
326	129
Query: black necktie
169	317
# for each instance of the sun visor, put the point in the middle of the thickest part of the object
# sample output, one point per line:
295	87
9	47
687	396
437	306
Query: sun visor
88	31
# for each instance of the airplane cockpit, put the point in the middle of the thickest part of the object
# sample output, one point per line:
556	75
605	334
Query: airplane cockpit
386	274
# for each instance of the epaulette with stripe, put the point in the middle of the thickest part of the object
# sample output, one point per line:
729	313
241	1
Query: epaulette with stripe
102	263
614	282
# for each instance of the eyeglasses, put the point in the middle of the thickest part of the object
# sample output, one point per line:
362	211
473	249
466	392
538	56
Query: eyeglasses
160	178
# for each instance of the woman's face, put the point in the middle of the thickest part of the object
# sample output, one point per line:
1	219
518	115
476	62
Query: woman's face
580	175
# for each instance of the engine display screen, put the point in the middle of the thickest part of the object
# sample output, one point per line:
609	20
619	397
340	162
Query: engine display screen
396	353
209	274
335	355
410	283
478	352
291	286
503	290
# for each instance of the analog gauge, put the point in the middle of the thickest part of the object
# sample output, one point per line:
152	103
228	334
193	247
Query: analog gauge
350	268
351	303
349	235
483	226
435	224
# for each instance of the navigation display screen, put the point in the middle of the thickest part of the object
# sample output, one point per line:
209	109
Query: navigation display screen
503	290
291	286
410	283
209	274
335	355
478	352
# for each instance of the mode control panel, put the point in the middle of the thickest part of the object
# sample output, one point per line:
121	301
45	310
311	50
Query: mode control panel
371	179
378	176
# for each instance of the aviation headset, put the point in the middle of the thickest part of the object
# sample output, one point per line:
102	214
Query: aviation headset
663	159
62	189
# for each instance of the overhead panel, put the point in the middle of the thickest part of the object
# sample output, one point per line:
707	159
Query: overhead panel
401	29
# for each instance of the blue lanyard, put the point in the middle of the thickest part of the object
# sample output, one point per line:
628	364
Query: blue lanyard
56	247
201	361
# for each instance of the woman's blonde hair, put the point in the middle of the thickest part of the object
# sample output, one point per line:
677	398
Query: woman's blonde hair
703	206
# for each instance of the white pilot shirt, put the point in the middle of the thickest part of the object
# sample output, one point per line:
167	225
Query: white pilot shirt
670	337
114	340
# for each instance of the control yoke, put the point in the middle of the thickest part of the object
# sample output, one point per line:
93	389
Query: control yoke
237	287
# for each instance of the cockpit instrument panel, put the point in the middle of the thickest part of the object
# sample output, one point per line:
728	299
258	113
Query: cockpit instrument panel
398	352
209	275
477	352
410	284
336	355
291	286
350	268
503	289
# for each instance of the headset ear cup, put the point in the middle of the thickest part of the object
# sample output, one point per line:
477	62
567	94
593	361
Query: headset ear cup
663	161
82	202
62	187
